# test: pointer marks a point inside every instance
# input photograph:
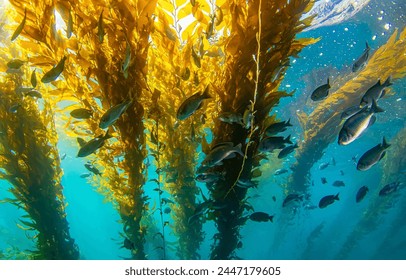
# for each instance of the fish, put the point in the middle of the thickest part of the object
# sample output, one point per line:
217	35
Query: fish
220	152
247	117
362	60
274	198
92	169
357	124
33	93
93	145
100	28
231	118
361	193
34	78
338	184
246	183
210	177
81	113
81	141
291	198
85	175
112	114
372	156
167	210
192	104
375	92
185	74
280	171
167	201
389	188
287	150
327	200
127	60
261	217
54	73
321	92
63	156
342	173
13	108
349	112
15	64
20	27
275	128
69	26
270	143
323	180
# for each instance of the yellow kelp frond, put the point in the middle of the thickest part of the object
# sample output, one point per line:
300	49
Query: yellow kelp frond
261	40
393	171
322	125
30	162
106	46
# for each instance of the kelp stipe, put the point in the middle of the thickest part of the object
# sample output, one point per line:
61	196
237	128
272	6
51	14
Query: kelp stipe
30	162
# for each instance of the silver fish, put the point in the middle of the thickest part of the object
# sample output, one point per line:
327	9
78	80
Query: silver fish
374	93
362	60
280	171
112	114
231	118
192	104
321	92
349	112
93	145
220	152
54	73
127	60
372	156
357	124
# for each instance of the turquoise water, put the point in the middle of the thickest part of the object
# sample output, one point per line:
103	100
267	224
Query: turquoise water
311	234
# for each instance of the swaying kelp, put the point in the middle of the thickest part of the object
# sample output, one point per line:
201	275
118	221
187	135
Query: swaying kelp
393	171
106	52
30	162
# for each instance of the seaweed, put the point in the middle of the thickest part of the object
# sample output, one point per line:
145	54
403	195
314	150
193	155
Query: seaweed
30	163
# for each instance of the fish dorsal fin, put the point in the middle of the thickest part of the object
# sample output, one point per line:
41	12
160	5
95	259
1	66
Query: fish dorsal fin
81	141
375	108
367	46
385	144
229	144
336	197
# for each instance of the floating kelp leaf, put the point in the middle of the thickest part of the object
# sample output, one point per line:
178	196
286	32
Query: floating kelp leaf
20	27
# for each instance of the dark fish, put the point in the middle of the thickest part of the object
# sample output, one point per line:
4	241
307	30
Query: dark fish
349	112
327	200
261	217
274	198
192	104
20	27
374	93
63	156
13	108
268	144
167	210
93	145
54	73
342	173
100	28
81	113
112	114
357	124
389	188
220	152
361	193
209	177
85	175
92	169
321	92
292	197
33	93
275	128
34	78
287	150
167	201
338	184
15	64
324	165
362	60
372	156
69	26
323	180
280	171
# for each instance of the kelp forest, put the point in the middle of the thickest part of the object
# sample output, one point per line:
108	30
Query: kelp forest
170	105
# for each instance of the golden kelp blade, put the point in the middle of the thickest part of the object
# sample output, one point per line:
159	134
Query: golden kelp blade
20	27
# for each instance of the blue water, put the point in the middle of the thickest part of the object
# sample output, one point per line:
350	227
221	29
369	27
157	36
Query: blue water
94	223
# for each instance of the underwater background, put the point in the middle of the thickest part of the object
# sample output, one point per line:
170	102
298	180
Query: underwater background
140	196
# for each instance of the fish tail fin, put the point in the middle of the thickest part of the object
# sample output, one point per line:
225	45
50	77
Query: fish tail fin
287	140
387	82
367	46
375	107
336	197
295	146
271	218
107	135
288	123
205	94
385	144
238	149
